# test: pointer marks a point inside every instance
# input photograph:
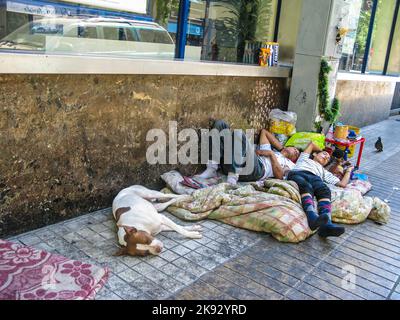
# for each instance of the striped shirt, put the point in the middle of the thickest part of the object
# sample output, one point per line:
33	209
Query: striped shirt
304	163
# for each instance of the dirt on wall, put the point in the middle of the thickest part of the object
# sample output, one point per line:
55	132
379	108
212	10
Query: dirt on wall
69	143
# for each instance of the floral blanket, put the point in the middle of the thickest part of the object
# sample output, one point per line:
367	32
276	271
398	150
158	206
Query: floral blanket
247	208
31	274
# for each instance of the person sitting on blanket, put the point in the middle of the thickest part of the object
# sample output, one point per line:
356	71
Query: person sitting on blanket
267	163
311	177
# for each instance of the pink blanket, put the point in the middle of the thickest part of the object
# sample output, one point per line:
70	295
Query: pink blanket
30	274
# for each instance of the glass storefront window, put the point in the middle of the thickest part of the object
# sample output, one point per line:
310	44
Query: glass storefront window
394	59
219	30
356	39
380	35
119	28
289	23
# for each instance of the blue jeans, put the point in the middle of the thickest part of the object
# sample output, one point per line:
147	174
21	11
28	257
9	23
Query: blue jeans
246	147
310	183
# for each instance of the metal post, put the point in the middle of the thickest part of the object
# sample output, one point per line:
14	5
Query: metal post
181	32
392	31
277	19
369	36
204	49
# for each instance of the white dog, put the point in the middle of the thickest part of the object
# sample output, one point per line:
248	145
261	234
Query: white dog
138	220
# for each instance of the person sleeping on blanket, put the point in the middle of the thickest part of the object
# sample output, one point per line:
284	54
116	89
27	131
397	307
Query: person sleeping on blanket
267	163
311	177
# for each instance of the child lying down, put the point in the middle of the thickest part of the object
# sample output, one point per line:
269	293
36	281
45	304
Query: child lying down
311	177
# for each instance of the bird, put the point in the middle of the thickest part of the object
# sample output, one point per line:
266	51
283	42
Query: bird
379	145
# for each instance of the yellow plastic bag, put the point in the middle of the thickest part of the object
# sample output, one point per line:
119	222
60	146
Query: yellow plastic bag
300	140
282	122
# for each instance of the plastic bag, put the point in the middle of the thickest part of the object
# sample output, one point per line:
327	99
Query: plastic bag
300	140
282	138
282	122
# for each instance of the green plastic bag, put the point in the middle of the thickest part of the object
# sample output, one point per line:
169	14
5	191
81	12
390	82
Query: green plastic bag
300	140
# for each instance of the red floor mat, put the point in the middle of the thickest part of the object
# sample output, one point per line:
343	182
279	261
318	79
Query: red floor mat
27	273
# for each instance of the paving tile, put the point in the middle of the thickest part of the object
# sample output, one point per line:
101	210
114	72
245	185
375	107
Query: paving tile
382	264
180	250
343	287
395	296
100	218
168	243
129	260
191	244
391	260
114	282
165	281
169	255
373	290
335	265
110	224
258	277
107	294
150	288
114	265
157	262
294	294
208	292
218	256
314	292
44	246
206	262
72	237
144	268
210	224
177	273
108	234
46	234
247	283
29	240
360	263
98	241
74	225
189	266
59	229
129	292
129	275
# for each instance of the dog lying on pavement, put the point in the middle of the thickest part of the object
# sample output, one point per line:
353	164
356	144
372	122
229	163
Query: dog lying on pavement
139	220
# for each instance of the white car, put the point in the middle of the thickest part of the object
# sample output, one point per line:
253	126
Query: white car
100	36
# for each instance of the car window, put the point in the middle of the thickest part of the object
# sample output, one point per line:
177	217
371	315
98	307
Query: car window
131	34
71	31
88	32
153	35
111	33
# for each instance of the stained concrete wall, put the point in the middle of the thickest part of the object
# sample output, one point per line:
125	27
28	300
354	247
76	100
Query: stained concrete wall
69	143
364	102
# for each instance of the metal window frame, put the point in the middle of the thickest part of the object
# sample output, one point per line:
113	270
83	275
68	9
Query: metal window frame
369	37
182	26
277	20
390	42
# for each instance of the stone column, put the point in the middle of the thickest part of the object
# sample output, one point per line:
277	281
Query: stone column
316	40
3	29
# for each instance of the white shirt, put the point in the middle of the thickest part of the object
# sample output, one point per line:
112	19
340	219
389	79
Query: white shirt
285	163
304	163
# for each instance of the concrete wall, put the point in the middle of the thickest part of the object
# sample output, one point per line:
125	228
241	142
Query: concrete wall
364	102
69	143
